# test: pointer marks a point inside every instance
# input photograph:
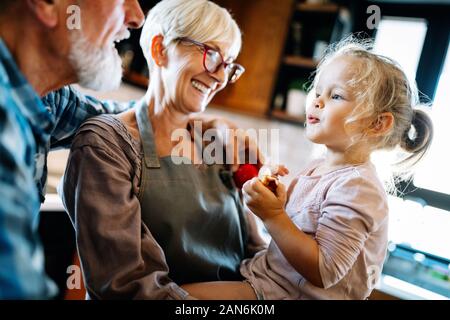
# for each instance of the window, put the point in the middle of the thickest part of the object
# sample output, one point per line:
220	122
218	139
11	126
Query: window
422	228
395	34
418	224
434	173
418	250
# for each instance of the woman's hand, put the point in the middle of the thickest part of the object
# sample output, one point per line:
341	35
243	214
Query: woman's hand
238	145
263	202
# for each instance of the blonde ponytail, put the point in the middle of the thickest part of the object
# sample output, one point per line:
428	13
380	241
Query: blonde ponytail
417	139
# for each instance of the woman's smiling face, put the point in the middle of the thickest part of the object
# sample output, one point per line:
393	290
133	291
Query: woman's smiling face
189	85
332	104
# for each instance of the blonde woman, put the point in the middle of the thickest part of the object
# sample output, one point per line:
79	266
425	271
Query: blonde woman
329	230
145	223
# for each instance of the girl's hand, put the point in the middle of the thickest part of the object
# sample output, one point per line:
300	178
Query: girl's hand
263	202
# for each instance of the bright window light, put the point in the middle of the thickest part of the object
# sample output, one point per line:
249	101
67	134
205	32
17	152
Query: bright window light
434	173
402	40
421	228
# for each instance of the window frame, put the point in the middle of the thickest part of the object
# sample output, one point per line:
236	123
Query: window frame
429	70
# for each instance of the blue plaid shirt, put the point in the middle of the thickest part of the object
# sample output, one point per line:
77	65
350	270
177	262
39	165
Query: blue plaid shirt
29	128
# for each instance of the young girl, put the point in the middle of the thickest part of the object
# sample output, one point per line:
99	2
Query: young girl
329	240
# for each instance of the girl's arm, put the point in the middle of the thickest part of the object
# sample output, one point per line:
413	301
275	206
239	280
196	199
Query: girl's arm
354	208
299	249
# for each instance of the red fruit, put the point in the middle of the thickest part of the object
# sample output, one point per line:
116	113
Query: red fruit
244	173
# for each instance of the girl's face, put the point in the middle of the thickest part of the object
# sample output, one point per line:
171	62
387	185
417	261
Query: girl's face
187	84
332	104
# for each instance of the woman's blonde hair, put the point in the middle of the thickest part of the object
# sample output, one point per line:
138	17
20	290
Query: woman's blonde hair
380	85
201	20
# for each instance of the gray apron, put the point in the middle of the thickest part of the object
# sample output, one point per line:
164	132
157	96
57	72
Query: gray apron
195	214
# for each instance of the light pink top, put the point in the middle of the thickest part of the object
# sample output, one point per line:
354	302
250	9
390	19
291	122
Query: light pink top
346	212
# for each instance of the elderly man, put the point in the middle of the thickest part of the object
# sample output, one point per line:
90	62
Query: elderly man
40	52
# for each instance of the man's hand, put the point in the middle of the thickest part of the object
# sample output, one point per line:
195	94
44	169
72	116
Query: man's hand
263	202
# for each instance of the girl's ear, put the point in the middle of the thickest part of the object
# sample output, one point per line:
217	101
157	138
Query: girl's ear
159	51
382	125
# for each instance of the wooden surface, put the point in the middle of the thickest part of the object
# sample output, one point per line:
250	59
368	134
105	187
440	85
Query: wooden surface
284	116
264	24
312	7
136	79
378	295
300	61
76	294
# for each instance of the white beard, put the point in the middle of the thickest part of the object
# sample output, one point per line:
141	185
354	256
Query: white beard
98	69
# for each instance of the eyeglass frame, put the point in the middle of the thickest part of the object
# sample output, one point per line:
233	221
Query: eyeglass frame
207	48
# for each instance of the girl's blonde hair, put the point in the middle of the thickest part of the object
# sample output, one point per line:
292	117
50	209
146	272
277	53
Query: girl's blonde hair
200	20
380	85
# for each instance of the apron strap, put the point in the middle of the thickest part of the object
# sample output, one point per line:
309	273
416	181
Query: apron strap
151	158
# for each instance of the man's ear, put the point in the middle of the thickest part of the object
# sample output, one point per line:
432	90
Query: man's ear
382	125
45	11
159	50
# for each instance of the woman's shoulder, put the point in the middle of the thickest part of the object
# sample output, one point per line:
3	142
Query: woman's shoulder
107	132
103	121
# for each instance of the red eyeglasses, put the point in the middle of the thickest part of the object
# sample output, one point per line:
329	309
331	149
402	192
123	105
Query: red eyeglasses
213	60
